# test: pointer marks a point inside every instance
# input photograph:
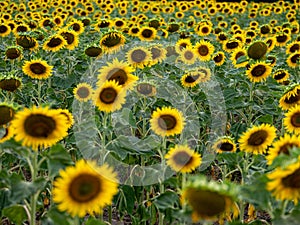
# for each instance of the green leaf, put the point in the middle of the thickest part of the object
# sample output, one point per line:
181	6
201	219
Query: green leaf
266	119
166	200
93	221
15	214
54	217
129	199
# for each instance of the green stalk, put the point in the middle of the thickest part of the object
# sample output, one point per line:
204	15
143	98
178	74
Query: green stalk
33	165
40	84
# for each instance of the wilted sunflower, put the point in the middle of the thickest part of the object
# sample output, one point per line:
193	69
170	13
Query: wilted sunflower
293	60
71	37
257	138
85	188
112	41
291	120
146	88
9	81
290	98
282	146
147	34
281	75
110	96
39	127
4	30
204	50
259	71
37	69
219	58
188	55
119	71
284	182
27	42
210	200
139	57
7	112
224	144
167	121
54	43
158	53
83	92
236	60
6	133
13	52
183	159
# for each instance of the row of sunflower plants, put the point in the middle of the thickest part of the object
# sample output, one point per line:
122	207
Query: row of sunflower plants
149	112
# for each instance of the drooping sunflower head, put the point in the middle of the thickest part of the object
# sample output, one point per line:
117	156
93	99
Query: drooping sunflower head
7	112
291	120
110	96
13	52
224	144
85	188
281	75
282	146
112	41
182	158
119	71
27	42
205	73
37	69
219	58
54	43
257	50
39	127
291	97
139	57
209	200
146	88
9	81
259	71
257	138
167	121
204	50
83	92
93	51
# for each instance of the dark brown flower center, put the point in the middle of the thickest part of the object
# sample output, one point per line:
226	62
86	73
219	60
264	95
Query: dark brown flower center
204	30
258	138
10	84
173	27
295	47
182	158
293	98
26	42
117	74
281	38
295	119
54	42
292	180
93	51
119	23
135	30
295	58
83	92
279	75
69	37
103	24
147	33
108	95
12	53
285	148
265	29
206	203
84	188
203	50
76	27
239	54
226	147
6	114
37	68
138	56
167	122
111	40
3	29
222	37
21	28
232	45
39	125
258	70
218	58
191	78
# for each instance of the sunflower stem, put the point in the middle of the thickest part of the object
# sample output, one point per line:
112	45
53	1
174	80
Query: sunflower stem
40	84
110	214
161	183
33	165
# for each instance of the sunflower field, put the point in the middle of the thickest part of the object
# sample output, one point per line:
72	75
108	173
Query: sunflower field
149	112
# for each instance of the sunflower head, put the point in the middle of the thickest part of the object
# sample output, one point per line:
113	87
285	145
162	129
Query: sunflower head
83	92
259	71
112	41
209	200
219	58
257	50
93	51
224	144
292	120
146	88
7	112
37	69
13	52
9	81
139	57
54	43
291	97
27	41
281	75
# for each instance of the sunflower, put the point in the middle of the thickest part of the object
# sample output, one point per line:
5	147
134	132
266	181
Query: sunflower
13	52
284	182
85	188
147	34
139	57
293	47
9	81
37	69
112	41
290	98
134	31
183	159
203	29
256	139
158	53
257	50
6	133
204	50
188	56
191	79
219	58
222	37
291	120
4	30
281	75
259	71
282	146
182	44
210	200
110	96
282	39
83	92
54	43
167	121
7	112
293	59
236	60
205	73
39	127
68	115
27	42
146	89
224	144
119	71
231	44
93	51
77	26
71	37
